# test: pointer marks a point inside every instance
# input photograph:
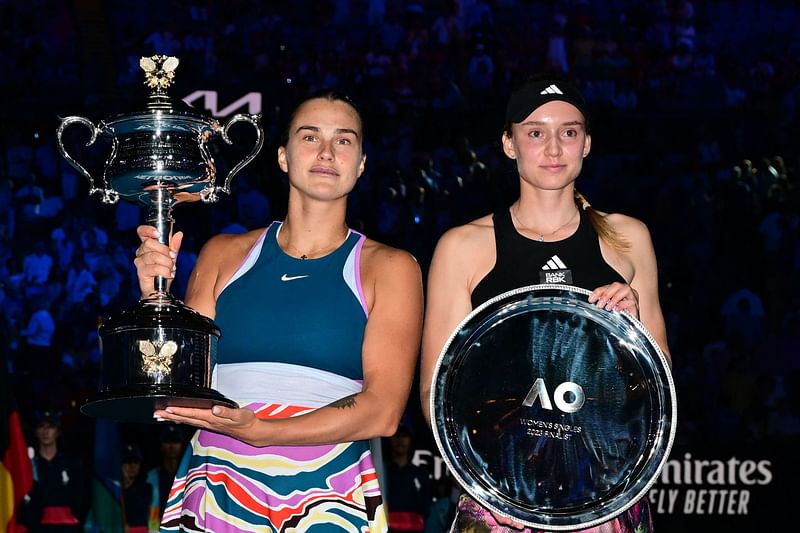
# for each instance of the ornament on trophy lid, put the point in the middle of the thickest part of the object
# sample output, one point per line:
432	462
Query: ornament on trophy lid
159	70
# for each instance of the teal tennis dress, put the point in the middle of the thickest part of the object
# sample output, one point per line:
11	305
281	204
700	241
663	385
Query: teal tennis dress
291	340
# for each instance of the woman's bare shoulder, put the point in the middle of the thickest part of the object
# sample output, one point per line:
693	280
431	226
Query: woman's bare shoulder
388	271
229	247
628	227
379	256
470	236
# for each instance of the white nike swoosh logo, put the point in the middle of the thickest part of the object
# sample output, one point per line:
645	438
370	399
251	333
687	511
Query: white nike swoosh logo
287	277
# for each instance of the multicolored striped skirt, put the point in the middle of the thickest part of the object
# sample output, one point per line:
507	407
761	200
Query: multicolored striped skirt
224	485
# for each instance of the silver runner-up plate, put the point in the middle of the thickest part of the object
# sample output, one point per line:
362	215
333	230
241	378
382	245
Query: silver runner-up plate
551	411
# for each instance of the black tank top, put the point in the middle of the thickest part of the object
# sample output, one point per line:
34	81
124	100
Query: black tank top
576	260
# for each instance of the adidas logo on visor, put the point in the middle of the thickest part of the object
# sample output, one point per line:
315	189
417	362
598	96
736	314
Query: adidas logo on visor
552	90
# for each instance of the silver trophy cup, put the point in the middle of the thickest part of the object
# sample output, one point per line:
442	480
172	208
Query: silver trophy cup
160	353
552	411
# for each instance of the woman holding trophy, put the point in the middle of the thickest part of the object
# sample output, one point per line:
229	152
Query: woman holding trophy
550	234
320	335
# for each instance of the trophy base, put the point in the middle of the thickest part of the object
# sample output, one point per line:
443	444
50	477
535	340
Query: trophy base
136	403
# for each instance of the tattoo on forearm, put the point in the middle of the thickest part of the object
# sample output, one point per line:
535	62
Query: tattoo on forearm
347	401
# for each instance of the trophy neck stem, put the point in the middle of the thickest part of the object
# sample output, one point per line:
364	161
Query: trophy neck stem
159	215
159	298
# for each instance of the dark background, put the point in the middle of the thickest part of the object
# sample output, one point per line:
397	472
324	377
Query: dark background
695	132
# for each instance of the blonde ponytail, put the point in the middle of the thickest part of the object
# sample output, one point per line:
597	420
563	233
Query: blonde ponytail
600	224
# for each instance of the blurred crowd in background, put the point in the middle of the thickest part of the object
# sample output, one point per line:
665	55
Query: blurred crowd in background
694	116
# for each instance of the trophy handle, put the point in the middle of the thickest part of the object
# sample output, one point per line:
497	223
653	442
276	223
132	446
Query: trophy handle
110	196
210	194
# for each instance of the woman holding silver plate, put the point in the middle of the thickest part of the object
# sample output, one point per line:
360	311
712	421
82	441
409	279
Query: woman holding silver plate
549	235
320	337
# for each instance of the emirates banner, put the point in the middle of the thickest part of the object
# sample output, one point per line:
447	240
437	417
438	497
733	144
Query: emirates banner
737	487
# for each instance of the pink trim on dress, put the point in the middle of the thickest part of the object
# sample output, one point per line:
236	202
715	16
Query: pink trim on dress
363	299
256	246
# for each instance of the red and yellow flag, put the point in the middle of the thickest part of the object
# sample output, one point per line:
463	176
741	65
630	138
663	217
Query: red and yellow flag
16	472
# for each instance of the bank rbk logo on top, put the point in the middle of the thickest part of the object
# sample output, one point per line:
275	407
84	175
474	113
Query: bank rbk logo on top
555	271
